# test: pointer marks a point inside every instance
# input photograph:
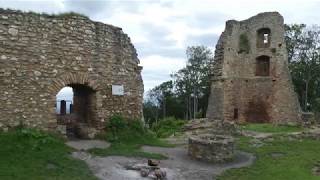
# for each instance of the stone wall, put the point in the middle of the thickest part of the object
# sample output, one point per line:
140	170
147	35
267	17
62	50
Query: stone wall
239	92
211	148
41	54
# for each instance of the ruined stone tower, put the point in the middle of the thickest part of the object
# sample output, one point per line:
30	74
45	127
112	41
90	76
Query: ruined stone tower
251	81
41	54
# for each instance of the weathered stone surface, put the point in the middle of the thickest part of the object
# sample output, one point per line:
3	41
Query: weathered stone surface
207	126
41	54
211	148
251	81
210	140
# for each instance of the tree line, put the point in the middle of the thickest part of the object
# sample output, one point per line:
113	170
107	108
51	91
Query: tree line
186	94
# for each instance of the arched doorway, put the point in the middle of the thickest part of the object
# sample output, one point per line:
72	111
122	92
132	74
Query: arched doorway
80	118
76	109
85	119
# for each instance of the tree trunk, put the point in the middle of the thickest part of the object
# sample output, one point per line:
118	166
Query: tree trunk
306	97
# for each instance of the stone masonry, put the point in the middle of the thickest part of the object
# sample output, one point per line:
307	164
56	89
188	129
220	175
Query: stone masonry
41	54
251	81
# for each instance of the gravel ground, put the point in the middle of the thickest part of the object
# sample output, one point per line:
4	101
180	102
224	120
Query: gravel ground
178	167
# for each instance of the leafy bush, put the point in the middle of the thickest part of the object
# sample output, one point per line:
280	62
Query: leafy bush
130	131
115	125
167	127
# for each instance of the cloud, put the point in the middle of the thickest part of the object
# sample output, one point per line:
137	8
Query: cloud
207	39
157	69
89	8
33	5
206	19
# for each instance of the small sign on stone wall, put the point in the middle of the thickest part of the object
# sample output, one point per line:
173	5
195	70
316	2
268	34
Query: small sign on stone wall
117	90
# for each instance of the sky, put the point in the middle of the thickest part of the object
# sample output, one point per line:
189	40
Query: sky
162	29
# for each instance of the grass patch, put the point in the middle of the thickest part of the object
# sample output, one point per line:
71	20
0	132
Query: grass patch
127	137
128	150
30	154
271	128
296	162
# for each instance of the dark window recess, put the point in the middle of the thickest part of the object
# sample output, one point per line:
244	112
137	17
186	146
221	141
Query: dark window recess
235	113
263	38
263	66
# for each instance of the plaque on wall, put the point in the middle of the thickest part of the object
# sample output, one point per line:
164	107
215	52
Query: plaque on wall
117	90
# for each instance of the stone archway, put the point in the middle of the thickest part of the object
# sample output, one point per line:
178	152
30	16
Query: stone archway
83	120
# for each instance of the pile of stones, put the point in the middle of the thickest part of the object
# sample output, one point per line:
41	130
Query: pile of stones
150	170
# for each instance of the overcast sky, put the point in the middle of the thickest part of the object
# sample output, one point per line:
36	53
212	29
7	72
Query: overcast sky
162	29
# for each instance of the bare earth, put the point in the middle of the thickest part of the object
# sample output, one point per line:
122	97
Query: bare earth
178	167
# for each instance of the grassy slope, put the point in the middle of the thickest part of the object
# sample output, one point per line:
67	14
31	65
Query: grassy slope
38	156
296	163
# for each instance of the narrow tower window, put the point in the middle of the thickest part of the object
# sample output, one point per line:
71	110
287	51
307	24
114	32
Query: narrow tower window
263	38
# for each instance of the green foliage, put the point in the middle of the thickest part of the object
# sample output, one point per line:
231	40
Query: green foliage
60	15
303	46
295	163
120	129
32	154
39	138
127	136
115	125
271	128
70	14
167	127
244	45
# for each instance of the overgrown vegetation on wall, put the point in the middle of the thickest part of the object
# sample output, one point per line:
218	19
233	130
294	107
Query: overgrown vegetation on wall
244	45
59	15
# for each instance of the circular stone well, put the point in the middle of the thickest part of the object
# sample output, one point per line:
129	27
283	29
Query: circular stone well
211	148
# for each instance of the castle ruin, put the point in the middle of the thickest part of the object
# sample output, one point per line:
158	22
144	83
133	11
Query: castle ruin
41	54
251	80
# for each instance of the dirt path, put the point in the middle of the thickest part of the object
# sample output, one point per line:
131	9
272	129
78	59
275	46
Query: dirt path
178	167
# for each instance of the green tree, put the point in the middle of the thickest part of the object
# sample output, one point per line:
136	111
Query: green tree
303	45
164	98
192	83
